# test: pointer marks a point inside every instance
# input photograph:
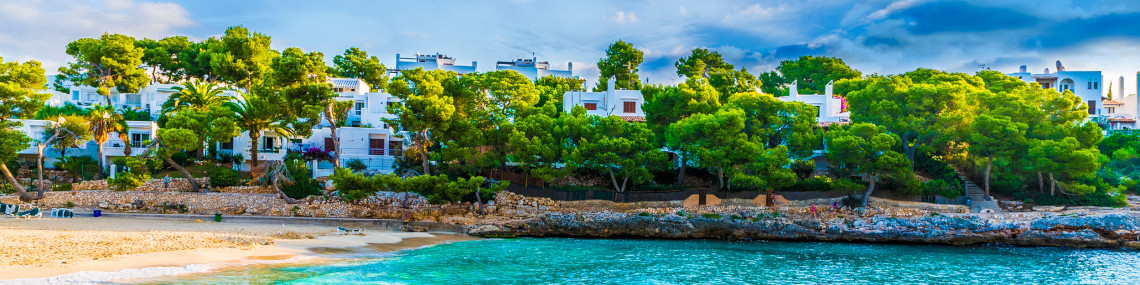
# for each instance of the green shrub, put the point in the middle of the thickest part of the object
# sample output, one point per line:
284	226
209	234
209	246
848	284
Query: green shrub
69	204
682	213
735	217
136	173
303	184
61	187
818	184
181	158
644	214
81	167
710	216
948	189
848	186
803	168
224	177
356	165
354	186
6	188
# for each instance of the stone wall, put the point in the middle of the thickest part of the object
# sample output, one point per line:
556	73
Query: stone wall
176	185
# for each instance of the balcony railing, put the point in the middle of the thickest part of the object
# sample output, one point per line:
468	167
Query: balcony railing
266	150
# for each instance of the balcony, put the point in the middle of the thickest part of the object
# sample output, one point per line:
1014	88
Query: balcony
268	149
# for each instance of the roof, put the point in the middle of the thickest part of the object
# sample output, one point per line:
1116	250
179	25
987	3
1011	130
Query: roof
633	118
1110	102
828	124
1123	120
346	82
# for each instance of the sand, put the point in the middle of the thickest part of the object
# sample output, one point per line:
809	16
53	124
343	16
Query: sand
88	249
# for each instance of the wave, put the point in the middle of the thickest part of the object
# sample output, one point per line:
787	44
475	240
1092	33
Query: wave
94	277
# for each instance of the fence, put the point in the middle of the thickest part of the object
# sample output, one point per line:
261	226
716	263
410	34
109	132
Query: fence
515	178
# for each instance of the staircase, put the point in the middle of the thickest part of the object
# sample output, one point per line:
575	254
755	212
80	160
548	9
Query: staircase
977	195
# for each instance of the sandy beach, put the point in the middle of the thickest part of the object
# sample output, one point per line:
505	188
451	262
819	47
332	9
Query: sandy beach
104	249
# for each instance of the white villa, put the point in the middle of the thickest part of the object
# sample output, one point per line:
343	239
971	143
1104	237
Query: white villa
830	107
534	69
139	132
1086	84
431	62
622	103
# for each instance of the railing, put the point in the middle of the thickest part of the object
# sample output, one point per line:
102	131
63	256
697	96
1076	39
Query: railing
267	150
138	144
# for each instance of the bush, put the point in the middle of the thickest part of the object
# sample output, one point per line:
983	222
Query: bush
356	165
303	185
710	216
818	184
354	186
948	189
81	167
61	187
803	168
181	158
6	188
224	177
137	173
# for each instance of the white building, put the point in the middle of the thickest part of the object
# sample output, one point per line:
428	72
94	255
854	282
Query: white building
622	103
432	62
1085	84
139	133
830	108
534	69
149	98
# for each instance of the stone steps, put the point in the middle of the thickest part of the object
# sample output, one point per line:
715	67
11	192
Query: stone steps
977	194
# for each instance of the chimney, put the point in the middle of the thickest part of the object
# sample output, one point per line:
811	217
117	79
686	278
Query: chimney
1121	91
827	89
794	91
610	83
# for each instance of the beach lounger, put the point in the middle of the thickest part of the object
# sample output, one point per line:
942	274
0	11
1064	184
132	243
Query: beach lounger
33	213
62	213
9	209
343	230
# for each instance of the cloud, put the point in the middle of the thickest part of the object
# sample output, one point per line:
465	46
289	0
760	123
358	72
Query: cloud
28	29
757	11
622	17
683	11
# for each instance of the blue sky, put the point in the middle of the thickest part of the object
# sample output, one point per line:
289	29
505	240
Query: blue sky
883	37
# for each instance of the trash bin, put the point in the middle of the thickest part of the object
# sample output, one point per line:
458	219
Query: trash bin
218	217
98	213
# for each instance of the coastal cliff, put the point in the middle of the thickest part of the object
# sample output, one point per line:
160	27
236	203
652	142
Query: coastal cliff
1038	229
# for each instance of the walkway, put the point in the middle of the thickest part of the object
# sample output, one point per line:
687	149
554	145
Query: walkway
977	196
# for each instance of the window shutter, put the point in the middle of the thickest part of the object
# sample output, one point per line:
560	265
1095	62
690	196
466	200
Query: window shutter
329	144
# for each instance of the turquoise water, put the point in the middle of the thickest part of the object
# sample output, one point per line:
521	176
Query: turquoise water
596	261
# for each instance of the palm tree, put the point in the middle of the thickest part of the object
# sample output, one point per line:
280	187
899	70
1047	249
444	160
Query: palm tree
103	121
196	95
257	113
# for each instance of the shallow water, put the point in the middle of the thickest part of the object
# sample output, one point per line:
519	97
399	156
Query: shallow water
597	261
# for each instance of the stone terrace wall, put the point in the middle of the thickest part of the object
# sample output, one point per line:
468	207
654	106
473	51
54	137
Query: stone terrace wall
176	185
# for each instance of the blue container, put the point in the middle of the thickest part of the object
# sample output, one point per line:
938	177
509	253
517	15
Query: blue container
98	213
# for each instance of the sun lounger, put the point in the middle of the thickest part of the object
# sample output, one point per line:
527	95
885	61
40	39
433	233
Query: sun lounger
343	230
33	213
9	209
62	213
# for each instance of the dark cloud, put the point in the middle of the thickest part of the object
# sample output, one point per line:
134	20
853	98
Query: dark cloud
1081	30
940	17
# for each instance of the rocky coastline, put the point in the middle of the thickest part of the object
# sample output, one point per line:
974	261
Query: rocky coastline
1077	230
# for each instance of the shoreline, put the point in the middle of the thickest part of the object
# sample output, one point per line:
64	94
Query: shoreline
118	249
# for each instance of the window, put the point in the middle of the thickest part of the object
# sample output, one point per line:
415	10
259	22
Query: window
329	144
139	139
395	147
1044	85
1096	85
591	106
359	106
629	106
1092	107
269	143
1090	84
134	99
375	146
818	113
75	95
228	145
1110	110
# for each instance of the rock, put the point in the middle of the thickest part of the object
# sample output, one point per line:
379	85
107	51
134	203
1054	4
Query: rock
411	228
1048	208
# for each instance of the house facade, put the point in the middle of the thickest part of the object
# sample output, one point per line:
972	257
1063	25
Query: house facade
139	133
534	69
432	62
622	103
1089	85
830	108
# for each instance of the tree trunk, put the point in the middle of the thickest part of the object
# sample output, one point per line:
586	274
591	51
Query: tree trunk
1052	185
1040	183
277	186
614	178
479	198
24	196
909	150
702	193
719	178
193	183
40	166
770	198
681	174
989	166
332	133
423	153
102	158
867	195
253	136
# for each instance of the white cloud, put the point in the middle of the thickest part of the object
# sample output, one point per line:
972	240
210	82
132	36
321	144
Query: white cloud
683	11
40	30
890	9
757	11
622	17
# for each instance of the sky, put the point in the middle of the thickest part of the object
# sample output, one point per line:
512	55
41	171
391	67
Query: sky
884	37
